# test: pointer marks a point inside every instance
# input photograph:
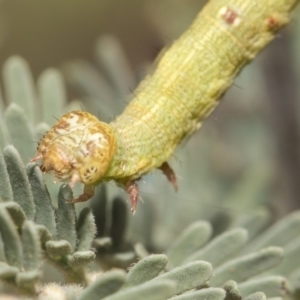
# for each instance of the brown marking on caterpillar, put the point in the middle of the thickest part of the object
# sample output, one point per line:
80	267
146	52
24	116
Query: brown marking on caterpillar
275	22
63	125
90	146
230	16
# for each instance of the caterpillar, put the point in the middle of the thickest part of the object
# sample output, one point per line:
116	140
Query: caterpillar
169	105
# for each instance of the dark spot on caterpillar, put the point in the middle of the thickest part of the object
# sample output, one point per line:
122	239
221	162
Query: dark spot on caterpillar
63	125
229	15
90	146
273	23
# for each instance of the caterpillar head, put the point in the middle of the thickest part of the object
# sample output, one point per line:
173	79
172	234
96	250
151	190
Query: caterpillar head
78	148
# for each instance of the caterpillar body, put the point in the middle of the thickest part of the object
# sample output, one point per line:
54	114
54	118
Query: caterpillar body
169	105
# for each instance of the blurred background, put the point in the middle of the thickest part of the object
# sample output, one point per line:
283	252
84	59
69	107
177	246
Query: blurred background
47	33
244	159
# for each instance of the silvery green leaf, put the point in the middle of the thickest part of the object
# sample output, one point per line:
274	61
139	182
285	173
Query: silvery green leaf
88	80
256	296
188	276
291	259
232	290
74	105
244	267
106	284
19	181
19	85
146	269
58	248
52	94
4	135
2	105
83	257
7	272
272	286
152	290
204	294
295	278
251	188
43	233
11	241
66	216
99	204
140	250
31	247
28	279
2	252
110	54
6	193
86	229
44	210
254	222
121	259
191	239
40	130
279	234
230	242
20	131
15	212
103	243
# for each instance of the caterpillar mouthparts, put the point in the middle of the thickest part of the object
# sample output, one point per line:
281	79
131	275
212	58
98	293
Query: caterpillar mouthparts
78	148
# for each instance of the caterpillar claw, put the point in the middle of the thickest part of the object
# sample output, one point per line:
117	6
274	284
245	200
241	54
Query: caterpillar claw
75	178
133	192
170	174
88	193
37	157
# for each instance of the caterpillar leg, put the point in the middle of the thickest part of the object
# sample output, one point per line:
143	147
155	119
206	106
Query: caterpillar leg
132	189
168	171
88	193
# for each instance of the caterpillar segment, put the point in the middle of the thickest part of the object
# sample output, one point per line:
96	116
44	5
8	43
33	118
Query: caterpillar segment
80	148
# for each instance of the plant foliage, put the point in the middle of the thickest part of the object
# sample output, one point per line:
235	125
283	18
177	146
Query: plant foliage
225	256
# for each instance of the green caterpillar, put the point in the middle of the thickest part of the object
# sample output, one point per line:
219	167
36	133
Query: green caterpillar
170	104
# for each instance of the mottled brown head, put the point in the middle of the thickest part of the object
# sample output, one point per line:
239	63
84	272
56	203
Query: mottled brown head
78	148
